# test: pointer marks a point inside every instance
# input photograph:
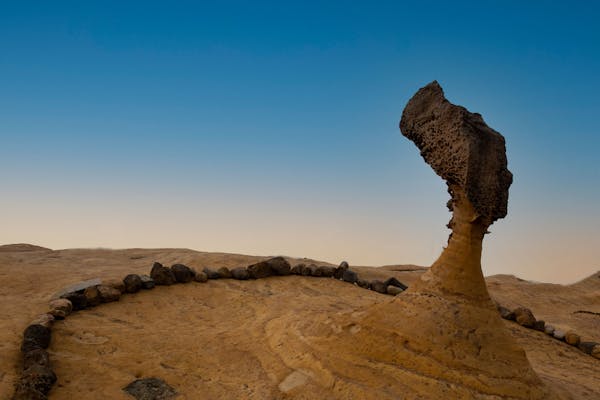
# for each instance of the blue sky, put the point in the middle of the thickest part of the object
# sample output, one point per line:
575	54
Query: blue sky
272	127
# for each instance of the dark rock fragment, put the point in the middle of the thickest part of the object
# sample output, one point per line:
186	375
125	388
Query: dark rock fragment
524	317
150	389
395	282
77	299
240	274
339	271
297	269
224	273
587	347
108	293
539	325
147	282
35	337
133	283
350	276
92	296
183	273
162	275
211	273
327	271
378	286
36	357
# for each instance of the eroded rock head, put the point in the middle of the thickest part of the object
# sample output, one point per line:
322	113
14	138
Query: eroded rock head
460	148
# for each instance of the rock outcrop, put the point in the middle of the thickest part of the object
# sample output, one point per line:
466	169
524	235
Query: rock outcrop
443	336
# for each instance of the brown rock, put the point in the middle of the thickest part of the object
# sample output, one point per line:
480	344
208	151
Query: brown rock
35	337
572	338
38	377
524	317
378	286
211	273
200	277
36	357
108	293
272	266
596	351
240	274
60	308
505	313
114	283
183	273
224	273
326	271
297	269
587	347
92	296
133	283
393	290
339	272
162	275
539	325
45	320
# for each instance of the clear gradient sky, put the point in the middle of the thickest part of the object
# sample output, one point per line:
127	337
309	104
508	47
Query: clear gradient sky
272	127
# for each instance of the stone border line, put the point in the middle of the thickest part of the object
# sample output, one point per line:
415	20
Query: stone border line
37	377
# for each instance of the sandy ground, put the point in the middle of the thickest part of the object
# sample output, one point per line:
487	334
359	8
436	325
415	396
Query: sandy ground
244	339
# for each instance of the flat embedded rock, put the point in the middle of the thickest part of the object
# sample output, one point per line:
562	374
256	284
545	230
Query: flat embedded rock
150	389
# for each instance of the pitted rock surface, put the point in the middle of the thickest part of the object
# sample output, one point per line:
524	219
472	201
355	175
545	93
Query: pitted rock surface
460	148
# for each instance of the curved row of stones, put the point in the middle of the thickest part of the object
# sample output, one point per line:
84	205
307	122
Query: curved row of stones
524	317
37	376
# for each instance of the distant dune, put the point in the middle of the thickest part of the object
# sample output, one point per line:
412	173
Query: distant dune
228	339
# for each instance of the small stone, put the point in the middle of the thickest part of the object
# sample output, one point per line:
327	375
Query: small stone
505	313
183	273
280	266
596	351
539	325
23	391
35	337
587	347
162	275
36	357
549	330
133	283
572	338
224	273
327	271
108	293
78	287
211	273
349	276
272	266
78	300
559	334
395	282
393	290
240	274
524	317
363	284
306	269
297	269
378	286
114	283
313	270
339	271
201	277
38	377
150	389
147	282
60	308
45	320
92	296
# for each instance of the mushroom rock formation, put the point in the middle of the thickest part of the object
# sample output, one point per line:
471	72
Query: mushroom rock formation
442	337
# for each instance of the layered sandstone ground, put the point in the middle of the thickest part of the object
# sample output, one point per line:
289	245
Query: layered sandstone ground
275	338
